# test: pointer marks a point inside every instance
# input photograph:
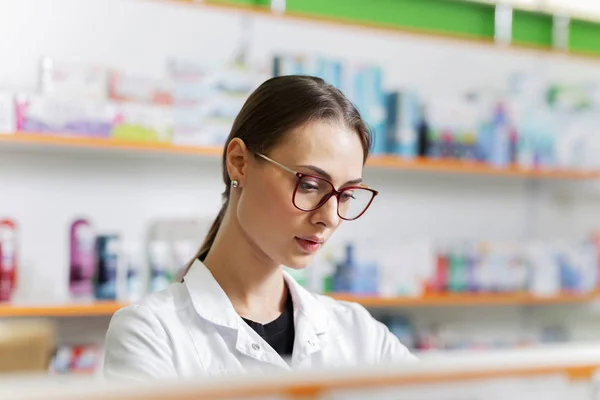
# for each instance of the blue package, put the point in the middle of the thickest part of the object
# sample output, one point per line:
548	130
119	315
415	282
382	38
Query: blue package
106	278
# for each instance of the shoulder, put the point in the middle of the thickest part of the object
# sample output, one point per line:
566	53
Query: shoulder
153	309
138	341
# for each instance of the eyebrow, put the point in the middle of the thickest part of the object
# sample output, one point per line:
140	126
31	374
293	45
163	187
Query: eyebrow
325	175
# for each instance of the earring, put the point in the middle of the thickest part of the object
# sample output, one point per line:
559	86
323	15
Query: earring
234	183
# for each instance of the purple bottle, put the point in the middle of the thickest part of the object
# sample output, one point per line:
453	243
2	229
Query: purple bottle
82	266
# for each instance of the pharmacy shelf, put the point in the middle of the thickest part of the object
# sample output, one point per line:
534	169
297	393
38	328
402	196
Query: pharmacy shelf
470	22
35	140
478	168
60	310
457	300
76	143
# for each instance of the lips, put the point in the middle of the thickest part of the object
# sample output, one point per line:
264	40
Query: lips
309	244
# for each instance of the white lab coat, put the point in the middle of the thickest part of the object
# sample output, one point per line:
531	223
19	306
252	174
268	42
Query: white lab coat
191	329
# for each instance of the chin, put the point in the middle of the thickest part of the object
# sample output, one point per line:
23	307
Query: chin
298	261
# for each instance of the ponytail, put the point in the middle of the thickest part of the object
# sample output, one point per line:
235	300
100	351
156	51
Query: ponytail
208	241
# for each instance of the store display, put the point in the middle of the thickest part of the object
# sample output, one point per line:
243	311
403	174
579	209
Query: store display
361	83
445	337
130	272
417	268
107	255
8	259
161	274
82	267
142	122
125	87
71	116
403	124
532	124
208	97
69	80
78	359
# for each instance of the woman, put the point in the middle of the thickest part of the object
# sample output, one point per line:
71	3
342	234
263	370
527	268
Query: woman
292	167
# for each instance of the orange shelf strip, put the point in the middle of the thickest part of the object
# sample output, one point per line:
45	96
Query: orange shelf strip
107	144
440	300
388	162
477	168
66	310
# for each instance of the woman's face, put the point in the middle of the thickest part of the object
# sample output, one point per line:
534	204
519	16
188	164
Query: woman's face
280	232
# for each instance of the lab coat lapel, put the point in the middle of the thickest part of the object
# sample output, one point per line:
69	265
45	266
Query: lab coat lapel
208	298
311	322
212	304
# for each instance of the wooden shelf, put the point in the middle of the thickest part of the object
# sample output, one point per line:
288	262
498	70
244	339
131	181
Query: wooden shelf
455	300
477	168
60	310
49	140
32	140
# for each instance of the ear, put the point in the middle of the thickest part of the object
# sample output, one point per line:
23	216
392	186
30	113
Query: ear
237	156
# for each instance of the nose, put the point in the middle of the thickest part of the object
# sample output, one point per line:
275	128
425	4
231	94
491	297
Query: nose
327	214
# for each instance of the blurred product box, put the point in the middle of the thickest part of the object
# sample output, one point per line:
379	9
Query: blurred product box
132	88
361	83
79	359
26	346
59	79
143	122
39	114
207	99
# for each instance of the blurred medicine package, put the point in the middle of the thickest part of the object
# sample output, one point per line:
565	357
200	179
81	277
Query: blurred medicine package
26	346
62	79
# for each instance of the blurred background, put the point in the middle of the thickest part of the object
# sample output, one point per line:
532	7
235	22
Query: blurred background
113	114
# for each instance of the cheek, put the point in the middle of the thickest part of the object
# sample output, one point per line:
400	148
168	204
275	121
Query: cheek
265	210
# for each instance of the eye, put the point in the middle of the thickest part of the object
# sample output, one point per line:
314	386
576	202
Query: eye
347	195
308	186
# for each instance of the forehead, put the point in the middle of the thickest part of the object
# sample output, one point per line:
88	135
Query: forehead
330	146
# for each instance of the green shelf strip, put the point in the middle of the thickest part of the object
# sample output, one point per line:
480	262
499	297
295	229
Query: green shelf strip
531	28
436	16
456	18
584	37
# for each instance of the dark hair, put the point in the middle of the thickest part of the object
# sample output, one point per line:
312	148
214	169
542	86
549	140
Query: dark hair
277	107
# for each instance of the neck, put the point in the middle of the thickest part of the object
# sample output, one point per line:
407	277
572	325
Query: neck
254	283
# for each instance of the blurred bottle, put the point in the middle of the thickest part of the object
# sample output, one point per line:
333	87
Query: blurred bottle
423	135
107	250
8	259
344	275
160	265
82	259
501	138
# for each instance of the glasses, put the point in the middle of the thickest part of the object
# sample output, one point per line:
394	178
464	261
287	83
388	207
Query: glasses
311	192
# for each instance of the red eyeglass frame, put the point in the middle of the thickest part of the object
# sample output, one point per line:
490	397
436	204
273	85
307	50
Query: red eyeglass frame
333	192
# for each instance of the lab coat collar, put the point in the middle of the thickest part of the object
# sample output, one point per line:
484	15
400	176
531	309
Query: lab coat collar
212	304
208	298
307	304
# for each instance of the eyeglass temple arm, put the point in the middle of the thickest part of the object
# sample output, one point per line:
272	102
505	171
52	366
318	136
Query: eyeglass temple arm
276	163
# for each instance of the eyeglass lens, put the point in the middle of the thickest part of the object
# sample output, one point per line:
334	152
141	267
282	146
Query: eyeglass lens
312	192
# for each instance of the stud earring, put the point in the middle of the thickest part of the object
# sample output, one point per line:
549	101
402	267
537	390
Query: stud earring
234	183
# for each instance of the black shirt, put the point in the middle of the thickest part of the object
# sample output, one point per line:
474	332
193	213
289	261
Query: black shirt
279	333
